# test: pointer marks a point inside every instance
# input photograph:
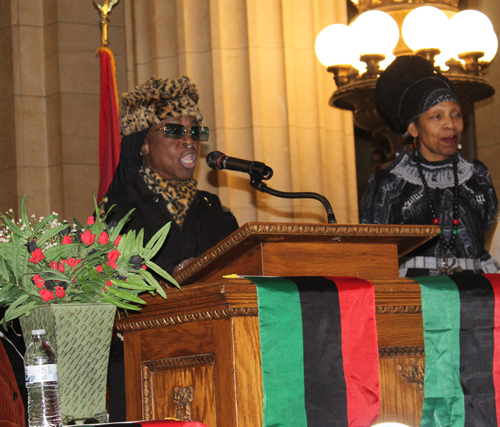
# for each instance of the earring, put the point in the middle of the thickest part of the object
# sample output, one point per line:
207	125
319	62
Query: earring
459	146
140	153
415	141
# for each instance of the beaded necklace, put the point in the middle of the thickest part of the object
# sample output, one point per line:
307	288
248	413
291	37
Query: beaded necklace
454	232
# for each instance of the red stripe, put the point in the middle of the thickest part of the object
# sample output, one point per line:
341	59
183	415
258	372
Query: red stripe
359	349
167	423
495	283
109	128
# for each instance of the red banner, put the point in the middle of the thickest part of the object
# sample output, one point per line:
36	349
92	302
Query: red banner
109	128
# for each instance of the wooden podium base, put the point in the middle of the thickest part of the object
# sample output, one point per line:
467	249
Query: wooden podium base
196	355
207	337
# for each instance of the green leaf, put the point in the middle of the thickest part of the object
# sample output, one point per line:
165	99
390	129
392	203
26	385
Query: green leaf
158	239
111	299
9	294
4	271
116	231
49	234
153	282
56	253
24	216
158	270
23	310
120	293
131	285
44	222
14	228
139	242
14	305
79	226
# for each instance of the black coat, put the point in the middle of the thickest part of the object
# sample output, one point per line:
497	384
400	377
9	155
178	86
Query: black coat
206	223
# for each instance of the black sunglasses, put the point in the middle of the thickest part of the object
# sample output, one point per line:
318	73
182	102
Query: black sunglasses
197	133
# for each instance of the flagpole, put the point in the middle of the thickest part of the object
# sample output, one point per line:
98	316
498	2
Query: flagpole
104	11
109	128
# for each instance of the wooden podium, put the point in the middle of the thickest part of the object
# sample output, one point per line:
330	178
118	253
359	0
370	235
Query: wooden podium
196	355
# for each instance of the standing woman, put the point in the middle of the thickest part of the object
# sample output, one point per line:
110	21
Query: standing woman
436	185
161	126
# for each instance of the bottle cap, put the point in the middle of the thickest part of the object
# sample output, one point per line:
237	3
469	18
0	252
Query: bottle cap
38	332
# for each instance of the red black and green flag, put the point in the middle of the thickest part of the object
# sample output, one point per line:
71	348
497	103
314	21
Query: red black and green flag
319	351
153	423
461	316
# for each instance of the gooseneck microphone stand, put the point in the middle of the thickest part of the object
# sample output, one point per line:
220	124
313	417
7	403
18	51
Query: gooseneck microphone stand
256	182
258	172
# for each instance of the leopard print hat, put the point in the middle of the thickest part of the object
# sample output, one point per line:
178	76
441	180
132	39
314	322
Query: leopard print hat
156	100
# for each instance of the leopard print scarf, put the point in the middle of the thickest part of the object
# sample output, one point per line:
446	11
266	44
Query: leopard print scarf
178	197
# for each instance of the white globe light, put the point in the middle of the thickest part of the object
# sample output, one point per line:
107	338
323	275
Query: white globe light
472	31
490	48
426	28
336	45
387	61
376	32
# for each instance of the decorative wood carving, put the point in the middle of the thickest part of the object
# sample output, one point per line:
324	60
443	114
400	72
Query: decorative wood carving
151	366
195	317
414	374
383	309
234	312
401	351
183	398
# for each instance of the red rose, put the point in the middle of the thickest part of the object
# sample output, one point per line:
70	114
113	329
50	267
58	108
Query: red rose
88	238
36	255
60	292
143	266
112	264
103	238
117	241
61	267
90	220
108	283
39	282
46	295
66	240
73	262
113	255
53	265
99	268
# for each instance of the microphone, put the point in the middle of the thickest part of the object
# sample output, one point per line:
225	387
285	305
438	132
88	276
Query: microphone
217	161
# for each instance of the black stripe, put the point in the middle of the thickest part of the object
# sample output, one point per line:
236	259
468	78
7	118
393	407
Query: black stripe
325	387
477	322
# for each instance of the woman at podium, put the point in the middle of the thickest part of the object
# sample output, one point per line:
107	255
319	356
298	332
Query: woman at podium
161	126
435	185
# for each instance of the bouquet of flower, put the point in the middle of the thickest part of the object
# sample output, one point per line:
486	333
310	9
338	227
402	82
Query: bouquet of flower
52	262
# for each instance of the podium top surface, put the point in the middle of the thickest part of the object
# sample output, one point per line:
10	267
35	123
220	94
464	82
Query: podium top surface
335	237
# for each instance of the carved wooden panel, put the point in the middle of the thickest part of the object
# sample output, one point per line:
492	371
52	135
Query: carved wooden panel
163	379
401	384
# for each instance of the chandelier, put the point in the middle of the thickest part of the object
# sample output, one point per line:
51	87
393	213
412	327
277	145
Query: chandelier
460	44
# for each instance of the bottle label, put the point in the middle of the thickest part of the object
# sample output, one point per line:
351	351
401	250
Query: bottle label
40	373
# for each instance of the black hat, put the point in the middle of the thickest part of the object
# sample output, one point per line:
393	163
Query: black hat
409	87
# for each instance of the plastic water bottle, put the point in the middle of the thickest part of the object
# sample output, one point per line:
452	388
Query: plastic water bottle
40	365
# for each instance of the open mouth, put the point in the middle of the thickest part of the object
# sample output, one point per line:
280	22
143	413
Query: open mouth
189	161
451	139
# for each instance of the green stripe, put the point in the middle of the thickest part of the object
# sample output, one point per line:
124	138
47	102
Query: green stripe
282	352
443	394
